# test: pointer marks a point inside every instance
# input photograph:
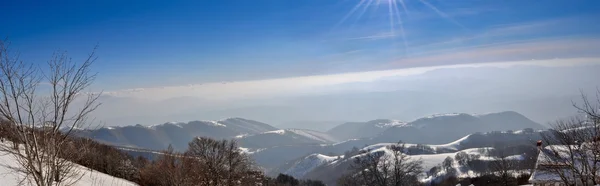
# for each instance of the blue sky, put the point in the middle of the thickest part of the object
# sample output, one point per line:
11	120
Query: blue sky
169	43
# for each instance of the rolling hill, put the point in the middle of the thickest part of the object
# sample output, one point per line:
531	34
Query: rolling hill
178	134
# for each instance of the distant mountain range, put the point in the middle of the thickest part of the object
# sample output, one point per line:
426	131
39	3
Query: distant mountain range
434	129
444	128
274	149
177	134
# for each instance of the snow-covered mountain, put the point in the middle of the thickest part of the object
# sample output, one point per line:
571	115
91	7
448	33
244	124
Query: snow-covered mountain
433	129
444	128
354	130
178	134
278	149
277	158
284	137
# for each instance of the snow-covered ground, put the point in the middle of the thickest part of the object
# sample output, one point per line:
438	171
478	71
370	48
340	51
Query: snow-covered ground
309	163
249	151
390	123
88	177
312	135
452	145
275	132
431	160
315	135
180	124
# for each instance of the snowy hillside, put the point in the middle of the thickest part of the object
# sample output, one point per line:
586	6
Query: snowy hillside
432	160
353	130
315	135
332	168
275	157
88	177
309	163
429	160
284	138
455	144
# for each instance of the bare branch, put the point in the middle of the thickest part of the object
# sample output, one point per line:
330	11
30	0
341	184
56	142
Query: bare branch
33	120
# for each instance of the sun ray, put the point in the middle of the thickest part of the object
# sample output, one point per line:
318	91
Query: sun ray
442	14
377	4
404	6
392	28
362	12
356	7
367	5
401	24
391	12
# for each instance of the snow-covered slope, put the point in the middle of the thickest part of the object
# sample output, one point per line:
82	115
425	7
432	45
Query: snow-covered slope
455	144
88	177
315	135
274	157
477	146
431	160
309	163
353	130
284	138
329	171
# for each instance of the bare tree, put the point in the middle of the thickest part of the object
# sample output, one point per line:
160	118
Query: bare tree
39	107
573	153
206	162
462	158
502	166
170	169
219	162
447	165
384	169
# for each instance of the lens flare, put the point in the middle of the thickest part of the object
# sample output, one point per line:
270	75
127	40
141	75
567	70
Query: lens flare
394	12
395	17
400	22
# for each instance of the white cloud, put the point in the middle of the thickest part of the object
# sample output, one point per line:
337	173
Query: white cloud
308	84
